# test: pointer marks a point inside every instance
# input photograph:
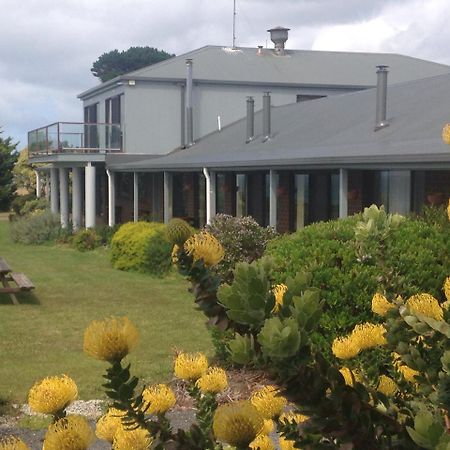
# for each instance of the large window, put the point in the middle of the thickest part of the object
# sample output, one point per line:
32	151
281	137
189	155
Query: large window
113	115
91	131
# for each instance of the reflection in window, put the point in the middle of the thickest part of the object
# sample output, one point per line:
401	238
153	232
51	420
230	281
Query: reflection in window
301	200
241	195
334	196
220	192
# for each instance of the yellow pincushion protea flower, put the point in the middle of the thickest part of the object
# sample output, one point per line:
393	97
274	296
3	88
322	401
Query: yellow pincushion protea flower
174	255
110	339
344	348
446	286
286	444
69	433
381	305
278	291
237	423
426	305
137	439
363	337
190	366
408	373
262	442
350	376
52	394
387	386
448	209
446	133
160	398
213	381
268	427
13	443
205	246
108	424
268	402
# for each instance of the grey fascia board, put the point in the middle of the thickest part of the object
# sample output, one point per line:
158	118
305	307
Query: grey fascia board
68	158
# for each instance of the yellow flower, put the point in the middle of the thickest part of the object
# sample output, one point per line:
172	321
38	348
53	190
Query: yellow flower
262	442
237	423
292	417
69	433
13	443
446	133
205	246
175	251
349	379
286	444
214	381
278	291
381	305
268	427
107	424
52	394
190	366
137	439
426	305
408	373
387	386
268	402
447	283
344	348
448	209
110	339
160	398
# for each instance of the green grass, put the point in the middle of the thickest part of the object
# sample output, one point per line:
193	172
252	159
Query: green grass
44	334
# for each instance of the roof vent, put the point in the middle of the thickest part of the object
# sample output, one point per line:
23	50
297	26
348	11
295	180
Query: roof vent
260	50
381	117
279	36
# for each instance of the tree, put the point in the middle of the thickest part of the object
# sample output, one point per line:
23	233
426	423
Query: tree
115	63
8	157
24	176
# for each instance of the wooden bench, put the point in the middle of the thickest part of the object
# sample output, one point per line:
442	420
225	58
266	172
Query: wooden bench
20	281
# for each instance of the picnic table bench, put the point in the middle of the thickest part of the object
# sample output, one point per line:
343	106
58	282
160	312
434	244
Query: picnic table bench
13	282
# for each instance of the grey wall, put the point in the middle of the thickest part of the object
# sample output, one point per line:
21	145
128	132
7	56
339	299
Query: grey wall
152	111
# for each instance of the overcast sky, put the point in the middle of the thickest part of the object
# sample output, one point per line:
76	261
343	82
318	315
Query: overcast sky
47	47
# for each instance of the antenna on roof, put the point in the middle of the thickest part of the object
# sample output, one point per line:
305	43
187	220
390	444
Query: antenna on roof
234	24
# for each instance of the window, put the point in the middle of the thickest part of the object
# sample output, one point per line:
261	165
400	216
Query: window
113	116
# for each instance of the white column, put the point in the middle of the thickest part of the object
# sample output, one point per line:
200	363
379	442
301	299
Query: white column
38	184
54	190
343	193
76	197
210	177
273	186
168	195
111	198
89	202
135	196
64	196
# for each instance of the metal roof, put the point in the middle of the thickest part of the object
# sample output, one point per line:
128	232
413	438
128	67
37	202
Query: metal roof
337	131
298	67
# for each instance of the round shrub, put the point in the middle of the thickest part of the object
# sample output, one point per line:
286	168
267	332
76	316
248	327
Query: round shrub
242	238
85	240
416	255
141	246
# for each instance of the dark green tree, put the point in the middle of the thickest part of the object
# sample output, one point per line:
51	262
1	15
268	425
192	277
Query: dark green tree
8	157
115	63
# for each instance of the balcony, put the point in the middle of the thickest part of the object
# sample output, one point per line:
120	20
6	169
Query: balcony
75	137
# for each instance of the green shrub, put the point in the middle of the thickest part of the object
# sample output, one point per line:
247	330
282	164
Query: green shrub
106	233
85	240
242	238
27	204
141	246
415	259
36	228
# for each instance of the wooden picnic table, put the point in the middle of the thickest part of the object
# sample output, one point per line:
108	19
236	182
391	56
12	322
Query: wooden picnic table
20	281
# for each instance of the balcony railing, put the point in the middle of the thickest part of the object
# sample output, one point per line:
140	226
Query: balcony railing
74	137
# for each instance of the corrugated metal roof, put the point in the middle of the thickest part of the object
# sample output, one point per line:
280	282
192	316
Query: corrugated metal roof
337	130
308	67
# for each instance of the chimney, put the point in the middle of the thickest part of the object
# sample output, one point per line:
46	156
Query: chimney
260	50
381	121
250	119
266	116
279	36
189	117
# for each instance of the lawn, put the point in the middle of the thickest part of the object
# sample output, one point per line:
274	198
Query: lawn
44	335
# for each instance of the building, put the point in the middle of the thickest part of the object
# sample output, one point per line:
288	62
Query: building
150	138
